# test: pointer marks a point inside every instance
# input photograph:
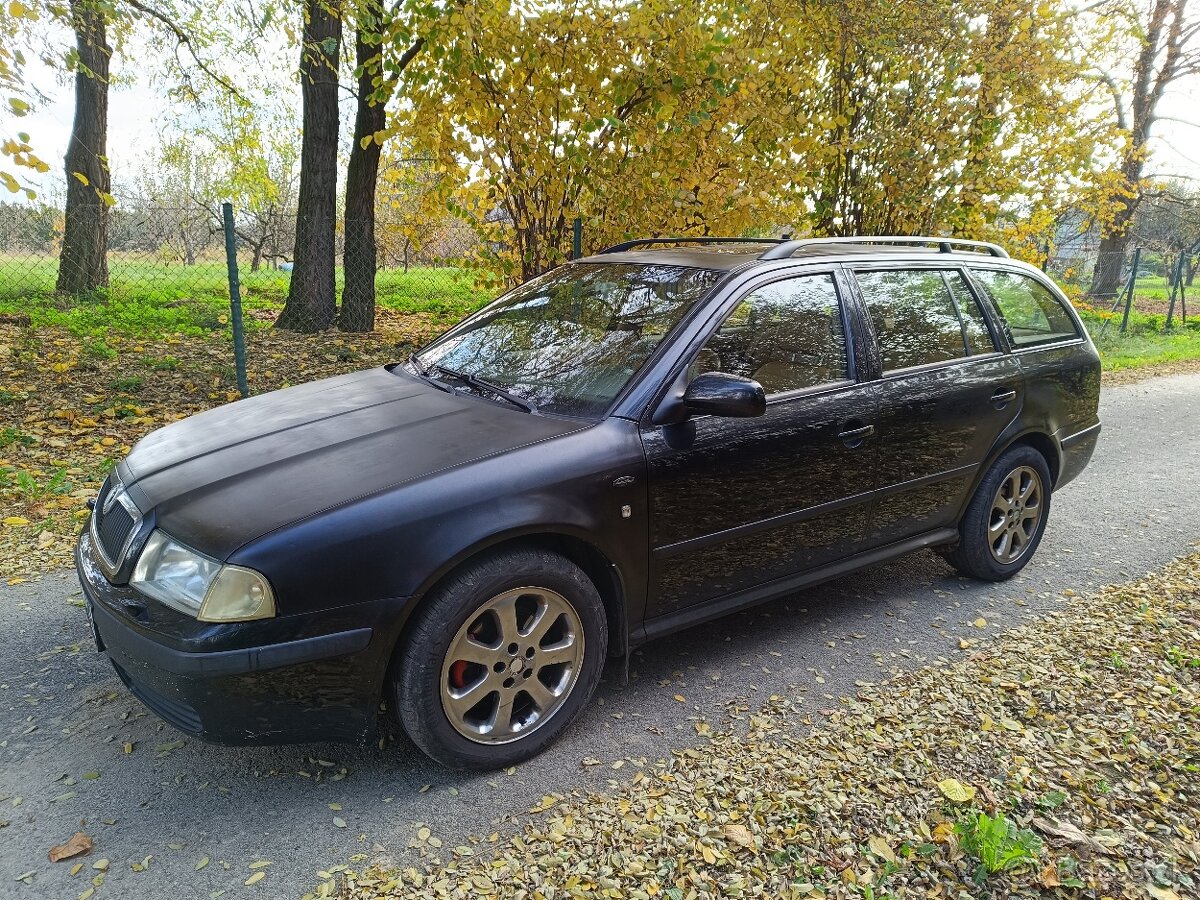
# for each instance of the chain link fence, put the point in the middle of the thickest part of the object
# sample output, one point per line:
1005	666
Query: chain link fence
170	274
1150	284
172	271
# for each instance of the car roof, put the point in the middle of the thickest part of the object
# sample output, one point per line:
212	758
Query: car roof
730	254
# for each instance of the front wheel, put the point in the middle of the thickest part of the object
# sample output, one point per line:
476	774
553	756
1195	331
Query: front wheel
500	659
1006	518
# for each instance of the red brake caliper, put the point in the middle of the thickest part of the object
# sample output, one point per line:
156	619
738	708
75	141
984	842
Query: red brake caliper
458	674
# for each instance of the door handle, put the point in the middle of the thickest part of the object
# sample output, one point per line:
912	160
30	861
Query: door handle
856	437
1002	398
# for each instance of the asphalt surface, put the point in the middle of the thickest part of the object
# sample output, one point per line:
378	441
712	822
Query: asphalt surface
66	722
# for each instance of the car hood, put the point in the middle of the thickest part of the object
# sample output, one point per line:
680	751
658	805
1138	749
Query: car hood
224	477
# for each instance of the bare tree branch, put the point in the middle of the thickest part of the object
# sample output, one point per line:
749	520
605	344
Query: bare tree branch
1118	97
1162	118
185	40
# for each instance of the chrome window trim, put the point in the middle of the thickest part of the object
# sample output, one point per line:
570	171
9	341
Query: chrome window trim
939	364
1021	349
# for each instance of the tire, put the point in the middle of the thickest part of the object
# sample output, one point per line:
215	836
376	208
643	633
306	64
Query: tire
981	551
472	692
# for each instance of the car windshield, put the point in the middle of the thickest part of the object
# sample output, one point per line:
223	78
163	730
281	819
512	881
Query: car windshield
569	341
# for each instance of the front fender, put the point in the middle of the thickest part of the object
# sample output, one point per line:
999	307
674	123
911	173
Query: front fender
398	543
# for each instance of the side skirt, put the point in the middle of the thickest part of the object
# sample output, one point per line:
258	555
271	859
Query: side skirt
780	587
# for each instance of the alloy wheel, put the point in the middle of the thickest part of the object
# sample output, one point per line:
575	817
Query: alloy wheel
512	665
1016	515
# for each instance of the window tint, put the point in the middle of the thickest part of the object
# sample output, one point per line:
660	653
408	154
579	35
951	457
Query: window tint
975	328
786	335
1031	314
915	318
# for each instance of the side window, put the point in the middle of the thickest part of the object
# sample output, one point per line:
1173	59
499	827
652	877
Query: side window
975	327
915	318
1031	314
786	335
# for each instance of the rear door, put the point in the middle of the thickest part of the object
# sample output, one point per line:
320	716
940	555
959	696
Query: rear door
946	394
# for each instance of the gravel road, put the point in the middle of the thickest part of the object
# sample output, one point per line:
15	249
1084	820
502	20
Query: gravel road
76	748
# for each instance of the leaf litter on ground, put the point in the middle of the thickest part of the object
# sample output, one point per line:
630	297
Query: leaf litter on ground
866	804
72	405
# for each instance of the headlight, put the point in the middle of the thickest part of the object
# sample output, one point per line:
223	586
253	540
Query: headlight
199	586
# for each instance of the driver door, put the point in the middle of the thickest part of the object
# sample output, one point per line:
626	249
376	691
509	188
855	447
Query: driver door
735	503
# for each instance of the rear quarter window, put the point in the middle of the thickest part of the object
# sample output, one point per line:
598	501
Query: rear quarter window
1030	313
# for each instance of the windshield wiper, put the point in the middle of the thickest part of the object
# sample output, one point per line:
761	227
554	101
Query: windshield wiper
482	386
423	374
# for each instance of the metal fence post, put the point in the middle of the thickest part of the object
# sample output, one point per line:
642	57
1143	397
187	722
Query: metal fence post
1137	258
235	300
1176	285
577	238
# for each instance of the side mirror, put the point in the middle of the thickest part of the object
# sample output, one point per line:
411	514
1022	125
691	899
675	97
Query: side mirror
719	394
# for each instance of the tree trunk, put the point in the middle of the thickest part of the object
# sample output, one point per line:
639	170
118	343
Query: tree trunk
83	261
1114	243
312	303
1106	277
1160	61
189	250
359	258
1190	270
256	260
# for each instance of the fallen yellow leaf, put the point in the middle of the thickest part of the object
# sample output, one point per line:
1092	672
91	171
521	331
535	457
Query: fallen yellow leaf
740	835
881	848
955	790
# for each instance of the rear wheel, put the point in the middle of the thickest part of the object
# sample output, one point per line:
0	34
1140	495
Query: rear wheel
501	659
1006	518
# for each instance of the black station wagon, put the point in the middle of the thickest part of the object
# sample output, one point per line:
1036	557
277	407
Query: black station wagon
632	443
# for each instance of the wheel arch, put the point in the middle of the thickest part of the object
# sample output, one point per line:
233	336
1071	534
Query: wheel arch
1036	438
594	562
1043	444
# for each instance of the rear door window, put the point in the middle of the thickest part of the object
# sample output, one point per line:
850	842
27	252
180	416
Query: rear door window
1030	313
915	317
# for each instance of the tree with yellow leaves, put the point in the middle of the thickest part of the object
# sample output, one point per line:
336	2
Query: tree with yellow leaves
719	117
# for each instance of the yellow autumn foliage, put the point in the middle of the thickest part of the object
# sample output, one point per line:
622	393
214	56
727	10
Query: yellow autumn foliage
717	117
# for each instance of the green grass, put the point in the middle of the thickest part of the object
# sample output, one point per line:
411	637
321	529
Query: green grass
1153	287
1145	343
150	299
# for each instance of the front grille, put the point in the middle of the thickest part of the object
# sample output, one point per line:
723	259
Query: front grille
113	525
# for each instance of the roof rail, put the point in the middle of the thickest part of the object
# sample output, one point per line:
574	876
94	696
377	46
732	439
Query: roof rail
647	242
785	249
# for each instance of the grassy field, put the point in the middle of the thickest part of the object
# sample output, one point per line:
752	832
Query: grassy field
1137	349
151	299
1147	341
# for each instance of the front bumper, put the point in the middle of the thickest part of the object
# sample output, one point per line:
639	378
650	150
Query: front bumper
291	679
